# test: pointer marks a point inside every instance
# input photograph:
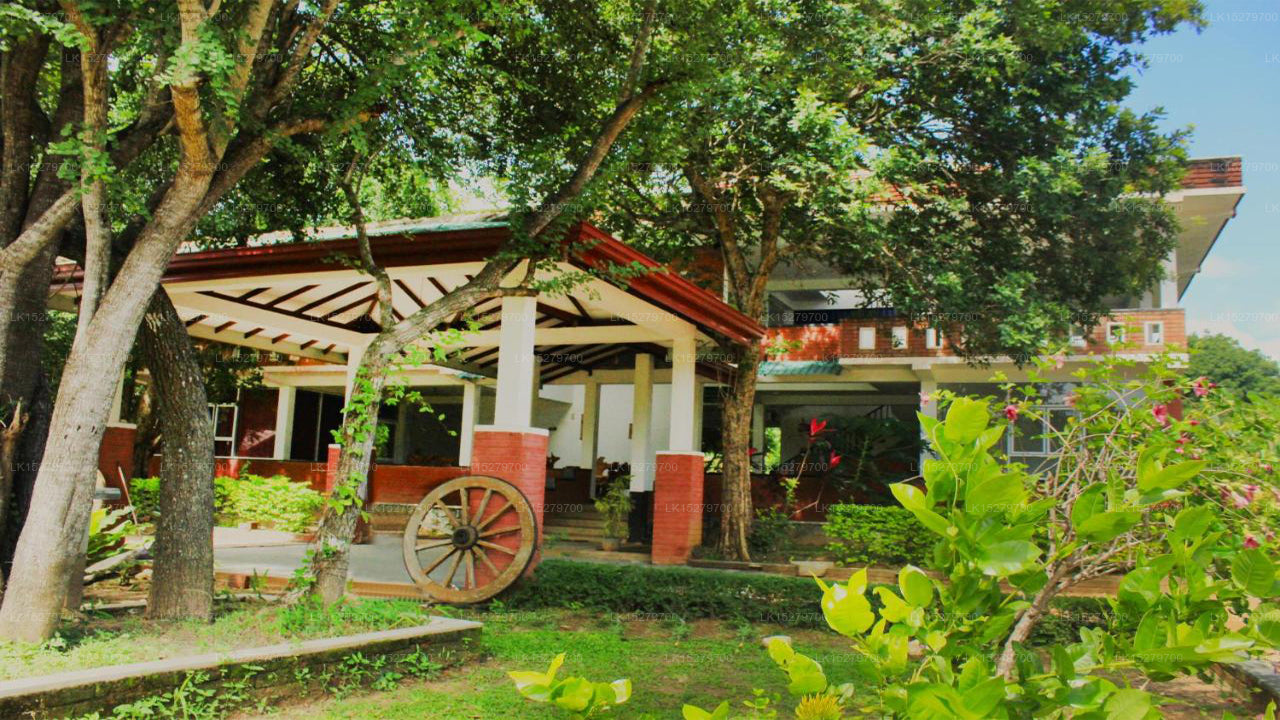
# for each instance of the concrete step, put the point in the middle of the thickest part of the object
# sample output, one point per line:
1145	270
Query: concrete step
576	534
572	522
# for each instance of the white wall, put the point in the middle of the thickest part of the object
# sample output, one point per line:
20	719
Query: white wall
614	443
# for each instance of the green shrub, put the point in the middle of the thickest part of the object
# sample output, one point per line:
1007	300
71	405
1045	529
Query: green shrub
276	502
144	494
879	535
669	592
769	533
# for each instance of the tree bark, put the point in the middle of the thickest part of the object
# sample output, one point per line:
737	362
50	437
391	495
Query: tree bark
735	436
146	418
182	572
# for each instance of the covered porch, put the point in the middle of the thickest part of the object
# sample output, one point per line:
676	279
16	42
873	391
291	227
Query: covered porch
557	394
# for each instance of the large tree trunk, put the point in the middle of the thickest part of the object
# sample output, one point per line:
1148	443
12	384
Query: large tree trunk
331	549
51	540
146	418
735	435
182	573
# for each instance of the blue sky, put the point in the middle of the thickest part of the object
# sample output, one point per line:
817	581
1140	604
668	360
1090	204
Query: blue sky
1225	82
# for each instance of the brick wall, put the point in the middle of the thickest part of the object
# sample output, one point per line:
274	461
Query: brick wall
257	423
816	342
116	454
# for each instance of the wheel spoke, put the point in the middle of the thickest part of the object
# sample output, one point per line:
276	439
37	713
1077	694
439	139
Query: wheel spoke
448	514
430	545
484	558
436	564
462	507
453	568
484	503
495	546
500	531
495	516
471	569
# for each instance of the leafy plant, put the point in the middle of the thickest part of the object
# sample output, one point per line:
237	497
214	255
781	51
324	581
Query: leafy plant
769	532
877	534
107	529
577	696
1010	541
275	502
615	507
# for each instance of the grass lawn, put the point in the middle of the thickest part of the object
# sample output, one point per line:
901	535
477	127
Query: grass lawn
114	639
668	663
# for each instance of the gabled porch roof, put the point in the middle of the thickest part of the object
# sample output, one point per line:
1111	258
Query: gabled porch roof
299	298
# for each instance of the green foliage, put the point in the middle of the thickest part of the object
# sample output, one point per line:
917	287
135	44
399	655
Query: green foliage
770	532
577	696
275	502
877	535
107	529
1115	498
615	506
1222	360
686	593
309	617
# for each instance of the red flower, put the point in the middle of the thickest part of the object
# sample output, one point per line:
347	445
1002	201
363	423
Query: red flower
816	427
834	461
1161	413
1201	386
1250	491
1011	412
1250	542
752	452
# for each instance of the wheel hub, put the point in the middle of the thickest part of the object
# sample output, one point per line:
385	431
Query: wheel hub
465	537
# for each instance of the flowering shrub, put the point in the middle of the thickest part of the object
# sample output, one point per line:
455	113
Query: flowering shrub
1120	497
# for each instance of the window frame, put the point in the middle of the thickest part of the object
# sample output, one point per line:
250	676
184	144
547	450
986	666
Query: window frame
1147	332
1045	412
235	427
867	332
901	337
1124	333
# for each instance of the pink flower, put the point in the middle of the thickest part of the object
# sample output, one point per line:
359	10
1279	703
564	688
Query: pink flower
1250	491
816	427
924	398
1059	361
1250	542
1161	413
1238	500
1071	400
1201	386
1194	422
1179	450
1266	467
1011	412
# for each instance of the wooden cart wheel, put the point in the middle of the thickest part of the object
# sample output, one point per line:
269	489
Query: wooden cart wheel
469	539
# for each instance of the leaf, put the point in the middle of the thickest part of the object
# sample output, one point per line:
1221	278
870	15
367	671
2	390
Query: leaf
916	587
1192	522
621	691
1156	478
1107	526
1253	572
1128	704
912	499
692	712
1007	558
847	612
574	694
1001	493
1090	502
966	419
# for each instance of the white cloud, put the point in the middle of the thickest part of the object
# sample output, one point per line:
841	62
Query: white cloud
1226	326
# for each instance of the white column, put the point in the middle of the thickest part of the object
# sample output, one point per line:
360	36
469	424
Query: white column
929	388
516	363
285	399
467	432
641	415
354	356
590	425
1169	285
684	387
757	427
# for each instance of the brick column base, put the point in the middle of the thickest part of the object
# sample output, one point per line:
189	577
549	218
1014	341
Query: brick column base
519	456
677	507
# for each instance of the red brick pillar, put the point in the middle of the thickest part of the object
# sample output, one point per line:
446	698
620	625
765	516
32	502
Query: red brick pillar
519	456
677	506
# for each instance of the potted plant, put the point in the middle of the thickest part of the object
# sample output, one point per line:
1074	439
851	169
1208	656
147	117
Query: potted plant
615	506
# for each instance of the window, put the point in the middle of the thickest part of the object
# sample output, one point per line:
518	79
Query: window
225	416
389	418
900	337
1154	333
1115	333
1030	437
1077	337
866	338
932	339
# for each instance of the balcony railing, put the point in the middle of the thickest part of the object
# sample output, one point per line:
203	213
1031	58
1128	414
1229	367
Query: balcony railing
1136	331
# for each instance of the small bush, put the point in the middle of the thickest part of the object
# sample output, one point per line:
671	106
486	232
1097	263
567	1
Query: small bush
276	502
769	533
879	535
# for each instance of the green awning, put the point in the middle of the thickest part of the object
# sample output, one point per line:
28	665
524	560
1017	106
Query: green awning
799	367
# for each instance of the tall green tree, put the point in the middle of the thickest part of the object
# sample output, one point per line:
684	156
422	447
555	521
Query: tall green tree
958	160
1223	360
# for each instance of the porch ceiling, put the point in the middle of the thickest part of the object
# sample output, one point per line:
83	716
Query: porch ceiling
299	299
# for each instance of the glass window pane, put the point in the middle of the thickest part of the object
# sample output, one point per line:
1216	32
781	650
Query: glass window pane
1027	431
